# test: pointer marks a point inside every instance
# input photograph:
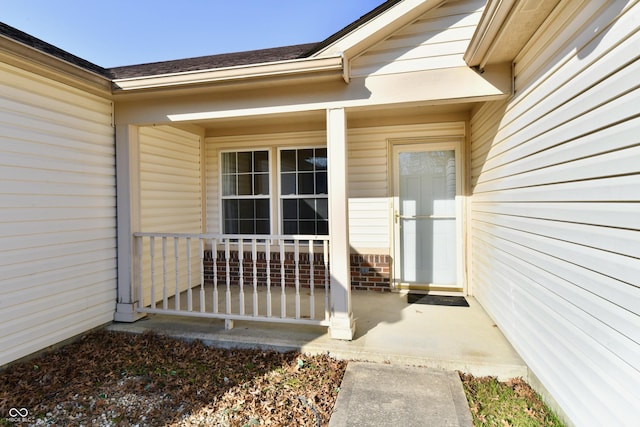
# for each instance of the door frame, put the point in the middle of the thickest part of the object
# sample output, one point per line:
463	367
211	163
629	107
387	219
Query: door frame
433	143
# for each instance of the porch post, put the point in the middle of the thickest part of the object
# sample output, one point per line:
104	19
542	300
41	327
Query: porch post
342	325
128	192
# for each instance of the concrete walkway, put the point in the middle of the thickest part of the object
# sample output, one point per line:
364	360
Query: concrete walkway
383	395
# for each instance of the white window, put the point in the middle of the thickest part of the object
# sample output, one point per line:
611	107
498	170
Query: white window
303	191
302	199
245	192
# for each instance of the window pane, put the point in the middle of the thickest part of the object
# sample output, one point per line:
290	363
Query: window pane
246	209
307	209
228	185
261	161
305	183
231	226
245	185
307	227
245	162
288	160
290	209
323	227
228	162
321	159
262	208
230	209
262	227
322	208
261	184
321	183
247	226
305	160
288	183
290	227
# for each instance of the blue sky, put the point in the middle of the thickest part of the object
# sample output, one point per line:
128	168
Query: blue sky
127	32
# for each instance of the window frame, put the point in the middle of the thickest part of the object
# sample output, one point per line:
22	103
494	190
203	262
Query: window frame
276	219
281	197
222	197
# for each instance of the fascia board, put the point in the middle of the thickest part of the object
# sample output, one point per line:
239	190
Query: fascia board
230	74
378	28
493	21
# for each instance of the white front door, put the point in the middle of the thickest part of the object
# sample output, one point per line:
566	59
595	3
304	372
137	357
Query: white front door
427	220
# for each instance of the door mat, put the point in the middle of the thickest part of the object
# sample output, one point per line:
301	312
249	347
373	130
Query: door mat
451	301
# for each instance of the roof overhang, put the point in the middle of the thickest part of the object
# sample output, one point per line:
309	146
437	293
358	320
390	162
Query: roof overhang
504	29
331	65
26	57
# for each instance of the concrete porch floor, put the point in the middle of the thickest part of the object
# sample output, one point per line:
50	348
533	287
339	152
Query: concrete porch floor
388	330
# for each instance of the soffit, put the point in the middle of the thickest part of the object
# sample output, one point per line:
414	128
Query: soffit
505	27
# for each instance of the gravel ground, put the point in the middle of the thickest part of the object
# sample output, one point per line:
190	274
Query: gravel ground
117	379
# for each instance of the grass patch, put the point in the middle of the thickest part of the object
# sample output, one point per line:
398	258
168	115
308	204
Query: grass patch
510	403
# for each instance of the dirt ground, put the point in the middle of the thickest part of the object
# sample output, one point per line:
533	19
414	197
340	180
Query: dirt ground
116	379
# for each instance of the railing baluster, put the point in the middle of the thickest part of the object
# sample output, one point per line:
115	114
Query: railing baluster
283	296
254	254
267	255
312	303
214	259
140	276
189	291
241	275
325	258
152	253
201	249
176	253
228	276
296	261
165	298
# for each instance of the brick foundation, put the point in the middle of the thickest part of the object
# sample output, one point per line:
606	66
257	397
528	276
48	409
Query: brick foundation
368	272
304	268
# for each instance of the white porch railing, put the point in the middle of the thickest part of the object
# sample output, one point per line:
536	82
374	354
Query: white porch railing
234	277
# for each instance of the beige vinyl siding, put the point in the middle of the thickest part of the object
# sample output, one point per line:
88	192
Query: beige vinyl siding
437	40
170	201
57	213
368	189
170	180
556	210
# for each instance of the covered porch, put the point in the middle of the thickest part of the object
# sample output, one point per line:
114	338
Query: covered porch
185	253
330	148
390	330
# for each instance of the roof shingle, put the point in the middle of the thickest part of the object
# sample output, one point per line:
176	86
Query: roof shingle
213	61
42	46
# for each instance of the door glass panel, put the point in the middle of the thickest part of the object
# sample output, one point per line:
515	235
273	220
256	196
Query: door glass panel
427	217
